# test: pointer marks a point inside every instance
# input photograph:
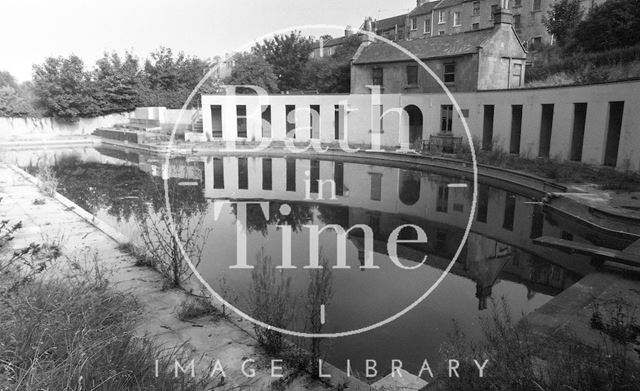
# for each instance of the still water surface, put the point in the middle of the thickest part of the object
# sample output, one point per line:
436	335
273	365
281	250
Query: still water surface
499	260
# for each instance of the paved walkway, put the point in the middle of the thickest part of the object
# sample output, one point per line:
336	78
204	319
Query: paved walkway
206	339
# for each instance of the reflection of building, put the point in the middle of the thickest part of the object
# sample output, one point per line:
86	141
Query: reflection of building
385	197
484	59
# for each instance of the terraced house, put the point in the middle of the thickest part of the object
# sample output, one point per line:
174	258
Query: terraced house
490	58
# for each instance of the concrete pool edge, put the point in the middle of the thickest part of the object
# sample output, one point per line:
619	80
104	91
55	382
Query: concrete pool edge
338	377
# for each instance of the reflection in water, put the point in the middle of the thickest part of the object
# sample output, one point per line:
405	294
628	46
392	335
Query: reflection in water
499	258
409	187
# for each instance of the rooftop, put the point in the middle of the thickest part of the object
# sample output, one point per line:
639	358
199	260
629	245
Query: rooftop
448	3
388	23
425	48
425	8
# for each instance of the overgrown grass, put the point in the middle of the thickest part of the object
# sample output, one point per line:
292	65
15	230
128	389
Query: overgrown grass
608	178
584	68
195	307
78	334
520	360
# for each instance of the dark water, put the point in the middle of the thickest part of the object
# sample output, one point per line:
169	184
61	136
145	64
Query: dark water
499	260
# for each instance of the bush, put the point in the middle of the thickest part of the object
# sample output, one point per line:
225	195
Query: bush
613	24
587	67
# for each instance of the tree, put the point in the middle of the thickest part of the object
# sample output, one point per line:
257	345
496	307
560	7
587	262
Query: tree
118	82
15	99
64	89
332	74
252	69
169	79
7	80
288	55
613	24
562	19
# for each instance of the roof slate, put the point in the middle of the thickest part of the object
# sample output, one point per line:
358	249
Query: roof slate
425	8
425	48
448	3
387	23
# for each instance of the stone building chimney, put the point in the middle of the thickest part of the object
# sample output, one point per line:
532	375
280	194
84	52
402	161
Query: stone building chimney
502	16
348	31
368	24
420	2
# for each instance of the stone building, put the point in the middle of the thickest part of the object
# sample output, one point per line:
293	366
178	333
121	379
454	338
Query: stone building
420	20
483	59
393	28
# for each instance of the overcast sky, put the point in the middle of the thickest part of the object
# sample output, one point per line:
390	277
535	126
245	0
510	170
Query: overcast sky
31	30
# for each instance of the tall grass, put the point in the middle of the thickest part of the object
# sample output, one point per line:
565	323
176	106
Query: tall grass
519	359
78	334
608	178
581	68
47	180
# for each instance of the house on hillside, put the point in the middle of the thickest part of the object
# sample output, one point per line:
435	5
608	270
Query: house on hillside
492	58
420	19
393	28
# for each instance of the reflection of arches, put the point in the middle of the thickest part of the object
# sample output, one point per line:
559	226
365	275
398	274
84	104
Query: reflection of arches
409	187
415	123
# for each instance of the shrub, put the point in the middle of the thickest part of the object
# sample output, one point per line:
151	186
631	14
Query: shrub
587	67
271	302
195	307
47	180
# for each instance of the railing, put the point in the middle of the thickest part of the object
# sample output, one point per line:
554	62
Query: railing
442	143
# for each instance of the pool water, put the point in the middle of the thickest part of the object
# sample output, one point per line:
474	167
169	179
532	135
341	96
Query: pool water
498	262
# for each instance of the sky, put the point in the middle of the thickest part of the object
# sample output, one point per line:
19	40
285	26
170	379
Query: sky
31	30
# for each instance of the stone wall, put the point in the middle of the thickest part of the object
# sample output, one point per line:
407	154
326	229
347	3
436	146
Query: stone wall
46	127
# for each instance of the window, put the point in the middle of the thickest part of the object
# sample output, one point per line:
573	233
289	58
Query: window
442	202
475	26
376	76
476	8
427	26
536	42
456	18
494	9
241	120
441	17
441	33
414	24
509	211
449	73
516	22
412	74
376	186
537	5
446	118
516	75
517	3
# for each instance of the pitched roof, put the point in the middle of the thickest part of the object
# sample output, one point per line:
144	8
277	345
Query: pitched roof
425	8
426	48
448	3
388	23
331	42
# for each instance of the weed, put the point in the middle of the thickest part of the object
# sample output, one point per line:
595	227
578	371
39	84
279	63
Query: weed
195	307
271	302
47	180
521	360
